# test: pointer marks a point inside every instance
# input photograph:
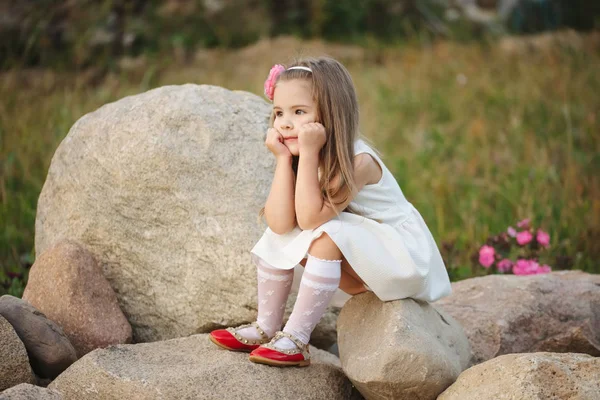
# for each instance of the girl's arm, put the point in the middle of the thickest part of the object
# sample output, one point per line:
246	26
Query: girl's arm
309	200
312	209
279	209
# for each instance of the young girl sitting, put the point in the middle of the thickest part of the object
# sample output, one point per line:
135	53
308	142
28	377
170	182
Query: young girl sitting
334	208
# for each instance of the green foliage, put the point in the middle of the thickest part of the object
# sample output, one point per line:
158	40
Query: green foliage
477	138
82	33
541	15
477	156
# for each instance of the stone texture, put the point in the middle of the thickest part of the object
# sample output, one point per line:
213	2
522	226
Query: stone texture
164	188
403	349
26	391
556	312
66	284
14	364
325	334
194	368
50	351
533	376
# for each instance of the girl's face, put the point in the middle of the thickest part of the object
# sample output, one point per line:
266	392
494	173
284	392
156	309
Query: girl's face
293	106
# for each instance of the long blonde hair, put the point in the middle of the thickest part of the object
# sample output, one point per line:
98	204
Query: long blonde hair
337	105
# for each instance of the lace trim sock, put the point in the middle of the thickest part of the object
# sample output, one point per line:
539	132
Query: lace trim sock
319	282
274	287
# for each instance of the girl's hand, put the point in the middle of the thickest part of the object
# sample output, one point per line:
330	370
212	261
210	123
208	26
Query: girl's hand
274	143
311	137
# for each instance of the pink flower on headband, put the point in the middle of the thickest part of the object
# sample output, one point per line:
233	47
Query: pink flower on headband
271	79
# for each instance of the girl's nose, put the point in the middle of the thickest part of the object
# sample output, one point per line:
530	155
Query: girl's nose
286	124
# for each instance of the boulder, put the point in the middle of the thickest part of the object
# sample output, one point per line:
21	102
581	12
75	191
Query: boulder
194	368
66	284
501	314
403	349
529	376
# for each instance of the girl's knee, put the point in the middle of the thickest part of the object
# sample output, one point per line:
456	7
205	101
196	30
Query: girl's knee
324	247
323	240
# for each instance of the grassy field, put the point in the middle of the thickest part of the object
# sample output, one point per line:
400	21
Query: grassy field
477	135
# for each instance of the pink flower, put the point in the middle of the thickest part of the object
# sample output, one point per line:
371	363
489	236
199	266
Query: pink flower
486	256
272	79
524	237
524	224
544	269
530	267
543	238
504	265
511	231
525	267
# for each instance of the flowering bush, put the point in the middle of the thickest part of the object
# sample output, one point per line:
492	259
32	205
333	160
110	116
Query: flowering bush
523	245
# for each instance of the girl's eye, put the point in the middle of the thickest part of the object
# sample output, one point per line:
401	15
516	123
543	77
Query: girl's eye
299	111
278	114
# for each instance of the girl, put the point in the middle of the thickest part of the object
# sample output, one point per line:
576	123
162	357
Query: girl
334	208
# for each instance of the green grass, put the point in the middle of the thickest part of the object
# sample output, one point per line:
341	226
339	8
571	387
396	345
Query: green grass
477	137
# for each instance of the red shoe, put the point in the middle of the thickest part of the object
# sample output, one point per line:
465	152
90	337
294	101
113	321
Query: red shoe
231	340
271	355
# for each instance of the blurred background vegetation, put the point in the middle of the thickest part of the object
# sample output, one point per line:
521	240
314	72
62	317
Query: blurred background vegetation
487	111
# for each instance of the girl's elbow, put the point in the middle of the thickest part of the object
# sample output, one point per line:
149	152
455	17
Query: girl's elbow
305	224
282	229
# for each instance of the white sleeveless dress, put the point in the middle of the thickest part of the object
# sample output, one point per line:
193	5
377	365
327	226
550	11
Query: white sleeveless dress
389	246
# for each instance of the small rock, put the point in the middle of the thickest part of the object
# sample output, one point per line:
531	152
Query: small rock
403	349
14	364
26	391
49	349
66	284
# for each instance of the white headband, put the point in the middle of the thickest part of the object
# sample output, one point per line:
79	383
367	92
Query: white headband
300	67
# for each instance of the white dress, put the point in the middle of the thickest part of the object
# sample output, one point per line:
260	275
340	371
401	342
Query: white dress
389	246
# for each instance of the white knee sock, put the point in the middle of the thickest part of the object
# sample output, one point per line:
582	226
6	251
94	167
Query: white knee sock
273	290
319	282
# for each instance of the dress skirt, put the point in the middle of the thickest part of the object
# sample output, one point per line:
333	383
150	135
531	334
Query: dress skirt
395	261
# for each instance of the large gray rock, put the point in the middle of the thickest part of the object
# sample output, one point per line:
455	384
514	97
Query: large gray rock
530	376
194	368
14	364
403	349
164	188
556	312
50	351
26	391
67	285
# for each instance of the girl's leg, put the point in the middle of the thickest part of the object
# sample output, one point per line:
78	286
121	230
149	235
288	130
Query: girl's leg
350	282
273	290
319	282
